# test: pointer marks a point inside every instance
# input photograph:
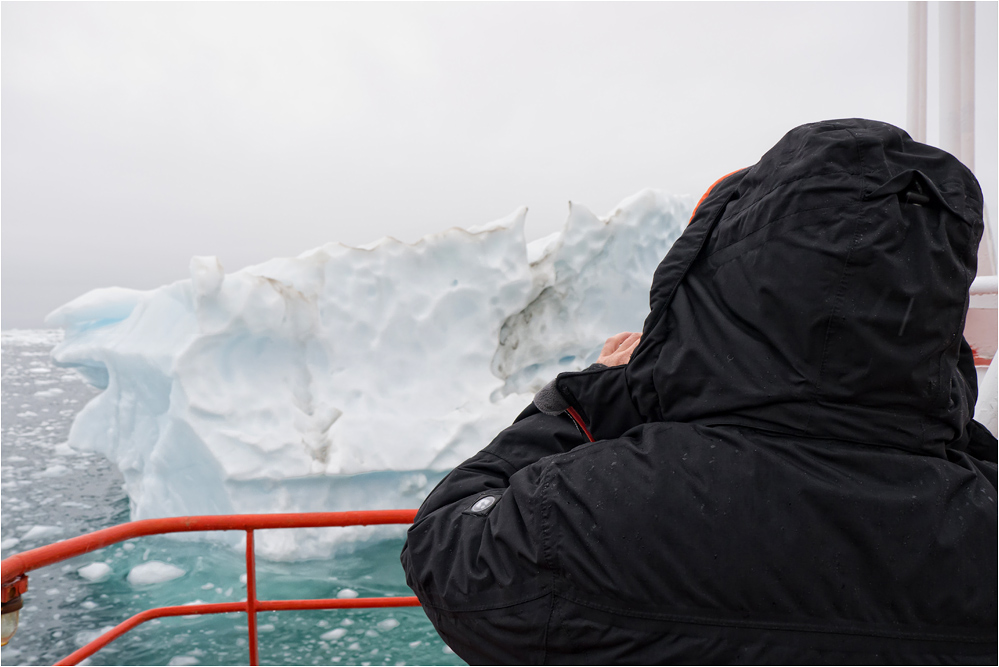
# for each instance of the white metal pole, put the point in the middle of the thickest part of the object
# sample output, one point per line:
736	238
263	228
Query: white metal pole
957	101
967	42
950	78
916	110
985	409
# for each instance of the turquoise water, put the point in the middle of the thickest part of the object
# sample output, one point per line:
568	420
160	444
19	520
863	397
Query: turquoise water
50	492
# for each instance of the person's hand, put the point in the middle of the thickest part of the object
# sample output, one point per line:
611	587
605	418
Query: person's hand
618	348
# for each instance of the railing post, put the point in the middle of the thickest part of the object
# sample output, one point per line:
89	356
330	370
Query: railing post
251	598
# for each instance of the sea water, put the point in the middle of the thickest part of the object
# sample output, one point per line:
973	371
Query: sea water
52	492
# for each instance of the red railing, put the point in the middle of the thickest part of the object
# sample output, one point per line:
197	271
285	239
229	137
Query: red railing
15	568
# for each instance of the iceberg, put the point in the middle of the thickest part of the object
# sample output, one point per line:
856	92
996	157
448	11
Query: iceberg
349	378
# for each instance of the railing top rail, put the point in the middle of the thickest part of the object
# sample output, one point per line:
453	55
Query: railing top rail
33	559
985	285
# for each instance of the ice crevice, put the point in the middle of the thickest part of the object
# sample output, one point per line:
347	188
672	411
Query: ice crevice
349	378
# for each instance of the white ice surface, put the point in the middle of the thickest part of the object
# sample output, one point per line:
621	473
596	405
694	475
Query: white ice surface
84	637
41	533
31	337
349	378
95	572
388	624
182	661
154	572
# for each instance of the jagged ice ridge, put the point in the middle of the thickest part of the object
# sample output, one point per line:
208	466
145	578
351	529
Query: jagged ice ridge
349	378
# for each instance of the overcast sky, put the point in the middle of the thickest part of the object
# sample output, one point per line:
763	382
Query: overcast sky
137	135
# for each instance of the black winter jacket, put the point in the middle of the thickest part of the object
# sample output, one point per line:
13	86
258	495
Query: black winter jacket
787	470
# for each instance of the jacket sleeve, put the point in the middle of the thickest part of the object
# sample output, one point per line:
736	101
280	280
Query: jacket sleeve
603	399
480	571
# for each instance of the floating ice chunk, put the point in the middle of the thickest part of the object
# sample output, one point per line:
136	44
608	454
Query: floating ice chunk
387	624
48	393
347	622
415	644
411	484
333	635
448	650
88	604
57	470
154	572
354	647
346	593
95	572
41	533
86	636
63	449
9	543
265	627
31	337
180	660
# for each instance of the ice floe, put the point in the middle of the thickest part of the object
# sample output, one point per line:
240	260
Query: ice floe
154	572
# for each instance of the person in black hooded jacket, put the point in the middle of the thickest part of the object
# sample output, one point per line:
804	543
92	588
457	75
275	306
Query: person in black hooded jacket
787	470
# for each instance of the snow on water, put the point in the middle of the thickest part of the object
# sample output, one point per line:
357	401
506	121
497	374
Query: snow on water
348	378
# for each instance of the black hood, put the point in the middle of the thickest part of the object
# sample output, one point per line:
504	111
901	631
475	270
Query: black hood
821	292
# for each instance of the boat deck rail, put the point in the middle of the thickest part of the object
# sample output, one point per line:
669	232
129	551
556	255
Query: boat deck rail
15	569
